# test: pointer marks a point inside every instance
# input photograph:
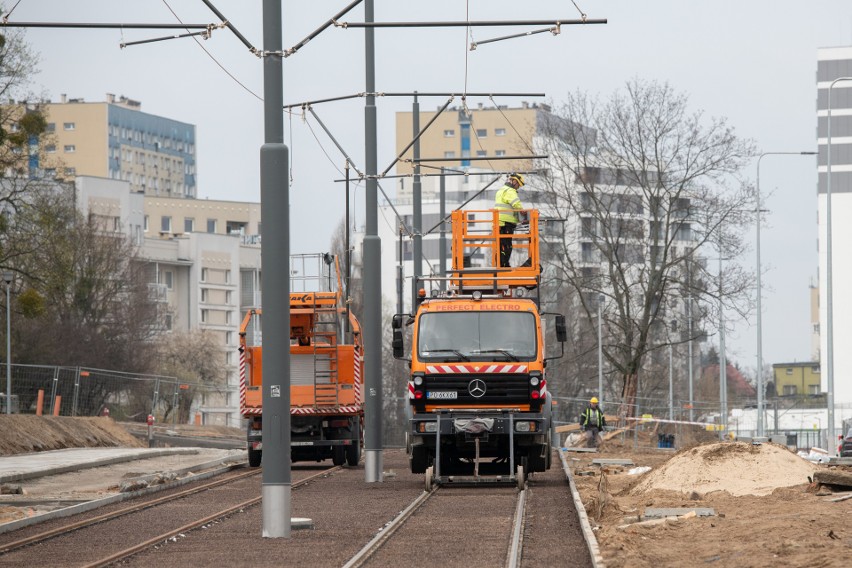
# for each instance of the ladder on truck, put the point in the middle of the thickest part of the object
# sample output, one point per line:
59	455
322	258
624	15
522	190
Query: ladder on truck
313	293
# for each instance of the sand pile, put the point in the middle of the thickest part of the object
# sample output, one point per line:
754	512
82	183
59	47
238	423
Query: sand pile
738	468
27	433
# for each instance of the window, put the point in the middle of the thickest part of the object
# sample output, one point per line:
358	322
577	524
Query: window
499	152
228	297
482	133
168	279
449	133
50	148
68	125
70	171
188	224
449	154
481	153
813	389
51	127
168	322
146	223
166	224
205	294
70	148
789	371
204	316
204	275
499	132
789	390
211	225
227	277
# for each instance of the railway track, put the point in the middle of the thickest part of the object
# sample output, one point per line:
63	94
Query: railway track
468	524
150	521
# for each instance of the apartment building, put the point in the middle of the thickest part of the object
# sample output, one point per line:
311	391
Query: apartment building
480	132
205	280
115	139
835	63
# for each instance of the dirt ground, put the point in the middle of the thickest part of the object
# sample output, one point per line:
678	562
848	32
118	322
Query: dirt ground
767	513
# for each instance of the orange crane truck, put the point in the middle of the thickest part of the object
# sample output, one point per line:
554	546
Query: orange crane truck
480	410
326	364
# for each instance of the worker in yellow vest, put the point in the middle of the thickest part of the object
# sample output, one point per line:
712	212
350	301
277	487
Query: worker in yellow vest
508	203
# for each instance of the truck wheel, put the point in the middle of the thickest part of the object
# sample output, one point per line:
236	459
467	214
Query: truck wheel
254	457
418	459
337	455
353	454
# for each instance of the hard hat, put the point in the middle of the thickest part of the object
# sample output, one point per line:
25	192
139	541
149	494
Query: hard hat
518	177
594	400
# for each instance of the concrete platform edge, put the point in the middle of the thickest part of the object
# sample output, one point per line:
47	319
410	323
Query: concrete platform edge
94	463
94	504
588	533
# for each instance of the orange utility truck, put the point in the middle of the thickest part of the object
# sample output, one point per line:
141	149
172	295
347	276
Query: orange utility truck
480	408
326	363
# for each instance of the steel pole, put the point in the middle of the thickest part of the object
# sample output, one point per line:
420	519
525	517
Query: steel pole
600	351
417	209
442	214
8	350
829	287
760	388
723	363
275	250
689	355
372	272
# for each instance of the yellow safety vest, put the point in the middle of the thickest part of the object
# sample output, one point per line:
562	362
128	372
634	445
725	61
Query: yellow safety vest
506	201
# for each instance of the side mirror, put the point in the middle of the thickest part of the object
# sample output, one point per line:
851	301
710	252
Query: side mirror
561	330
397	342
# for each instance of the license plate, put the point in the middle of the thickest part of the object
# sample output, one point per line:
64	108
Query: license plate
444	395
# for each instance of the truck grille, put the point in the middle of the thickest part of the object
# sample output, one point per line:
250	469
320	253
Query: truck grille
499	389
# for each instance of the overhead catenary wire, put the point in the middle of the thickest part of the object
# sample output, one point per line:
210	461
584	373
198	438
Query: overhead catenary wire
9	13
290	51
204	34
216	61
419	134
555	30
478	24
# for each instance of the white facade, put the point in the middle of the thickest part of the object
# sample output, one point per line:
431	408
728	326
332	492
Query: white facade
833	63
205	281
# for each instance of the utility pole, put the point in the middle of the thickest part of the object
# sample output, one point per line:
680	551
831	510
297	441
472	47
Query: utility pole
372	272
275	248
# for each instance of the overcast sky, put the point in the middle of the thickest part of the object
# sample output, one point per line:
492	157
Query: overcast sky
753	62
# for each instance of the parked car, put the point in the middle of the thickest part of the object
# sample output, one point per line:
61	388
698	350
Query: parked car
846	445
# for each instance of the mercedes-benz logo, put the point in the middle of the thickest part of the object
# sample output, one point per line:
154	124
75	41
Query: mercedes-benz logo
476	388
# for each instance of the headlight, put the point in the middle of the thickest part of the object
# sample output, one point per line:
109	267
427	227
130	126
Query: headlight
524	426
534	381
418	380
427	426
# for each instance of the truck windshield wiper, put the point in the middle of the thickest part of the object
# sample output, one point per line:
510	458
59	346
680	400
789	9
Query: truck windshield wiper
456	352
510	356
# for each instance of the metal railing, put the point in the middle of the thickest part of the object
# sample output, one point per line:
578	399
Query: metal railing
83	391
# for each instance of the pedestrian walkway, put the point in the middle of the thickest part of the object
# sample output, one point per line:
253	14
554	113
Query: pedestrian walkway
19	467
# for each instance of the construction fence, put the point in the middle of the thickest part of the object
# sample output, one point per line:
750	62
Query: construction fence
83	391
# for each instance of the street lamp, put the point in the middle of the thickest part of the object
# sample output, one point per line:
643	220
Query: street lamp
760	430
829	318
8	276
600	350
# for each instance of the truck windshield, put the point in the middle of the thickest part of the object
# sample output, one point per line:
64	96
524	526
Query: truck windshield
492	336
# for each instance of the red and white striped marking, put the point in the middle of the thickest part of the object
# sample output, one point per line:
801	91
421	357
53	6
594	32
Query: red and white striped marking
243	381
470	369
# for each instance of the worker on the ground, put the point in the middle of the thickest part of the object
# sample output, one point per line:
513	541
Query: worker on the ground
508	203
592	421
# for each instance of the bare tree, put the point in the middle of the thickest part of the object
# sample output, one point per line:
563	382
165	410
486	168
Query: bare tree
648	191
195	359
83	294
